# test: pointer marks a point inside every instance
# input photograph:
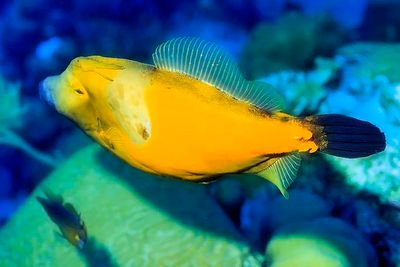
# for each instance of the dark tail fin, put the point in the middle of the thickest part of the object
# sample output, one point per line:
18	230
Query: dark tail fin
347	137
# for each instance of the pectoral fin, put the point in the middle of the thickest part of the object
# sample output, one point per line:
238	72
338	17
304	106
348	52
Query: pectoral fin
282	172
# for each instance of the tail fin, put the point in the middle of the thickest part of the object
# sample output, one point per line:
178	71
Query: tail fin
347	137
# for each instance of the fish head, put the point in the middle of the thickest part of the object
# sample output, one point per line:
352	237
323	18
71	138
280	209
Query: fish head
105	97
76	235
80	91
81	236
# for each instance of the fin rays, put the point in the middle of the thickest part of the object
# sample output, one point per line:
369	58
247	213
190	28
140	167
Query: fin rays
205	61
283	172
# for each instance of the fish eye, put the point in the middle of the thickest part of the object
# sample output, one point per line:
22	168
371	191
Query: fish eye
79	91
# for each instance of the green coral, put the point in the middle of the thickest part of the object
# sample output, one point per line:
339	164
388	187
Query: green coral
378	174
137	219
291	42
371	77
373	59
11	108
11	111
390	101
304	91
133	219
324	242
283	212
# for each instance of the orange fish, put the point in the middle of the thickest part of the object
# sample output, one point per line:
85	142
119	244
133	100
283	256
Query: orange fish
192	115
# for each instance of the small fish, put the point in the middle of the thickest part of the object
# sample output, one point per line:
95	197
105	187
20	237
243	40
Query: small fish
192	115
66	218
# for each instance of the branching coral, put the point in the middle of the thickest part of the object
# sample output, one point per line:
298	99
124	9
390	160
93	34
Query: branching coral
11	111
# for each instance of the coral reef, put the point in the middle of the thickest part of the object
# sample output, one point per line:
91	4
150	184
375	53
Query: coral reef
364	83
370	77
365	61
336	206
290	43
131	220
304	91
11	111
129	224
381	21
324	242
11	108
360	74
377	175
348	14
264	212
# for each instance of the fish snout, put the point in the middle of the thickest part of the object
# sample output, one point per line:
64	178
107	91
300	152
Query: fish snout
80	244
46	88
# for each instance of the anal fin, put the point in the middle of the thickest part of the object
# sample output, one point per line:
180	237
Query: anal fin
282	172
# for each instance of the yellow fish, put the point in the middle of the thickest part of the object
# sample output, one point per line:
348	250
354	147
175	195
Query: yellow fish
192	115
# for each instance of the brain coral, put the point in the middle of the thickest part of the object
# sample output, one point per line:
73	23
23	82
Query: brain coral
324	242
133	219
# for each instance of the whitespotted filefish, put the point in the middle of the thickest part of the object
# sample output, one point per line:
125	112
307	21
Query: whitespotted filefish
192	115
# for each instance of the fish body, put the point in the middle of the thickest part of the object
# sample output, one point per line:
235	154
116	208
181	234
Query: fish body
191	115
66	218
199	131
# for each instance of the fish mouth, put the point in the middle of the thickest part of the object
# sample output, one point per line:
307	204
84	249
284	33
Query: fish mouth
45	91
80	244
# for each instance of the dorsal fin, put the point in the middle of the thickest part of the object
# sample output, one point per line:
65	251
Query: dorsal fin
282	172
52	196
70	208
207	62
